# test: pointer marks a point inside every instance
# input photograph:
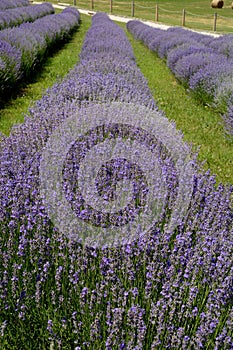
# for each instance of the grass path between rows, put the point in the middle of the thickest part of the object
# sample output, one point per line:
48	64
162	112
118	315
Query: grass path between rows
200	125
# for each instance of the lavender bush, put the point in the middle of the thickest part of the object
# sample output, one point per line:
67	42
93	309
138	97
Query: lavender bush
10	58
165	289
33	41
7	4
14	17
201	62
212	83
191	63
224	45
228	116
163	41
184	50
176	36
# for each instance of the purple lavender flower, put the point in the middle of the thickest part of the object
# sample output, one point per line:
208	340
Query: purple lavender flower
183	50
200	62
7	4
162	41
164	289
223	45
10	62
191	63
228	116
206	81
29	43
16	16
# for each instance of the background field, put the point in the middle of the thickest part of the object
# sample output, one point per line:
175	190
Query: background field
198	14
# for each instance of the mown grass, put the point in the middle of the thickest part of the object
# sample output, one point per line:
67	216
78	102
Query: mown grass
201	126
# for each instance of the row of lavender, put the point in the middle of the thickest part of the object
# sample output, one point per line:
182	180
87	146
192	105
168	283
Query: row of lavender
16	16
22	48
7	4
201	62
160	291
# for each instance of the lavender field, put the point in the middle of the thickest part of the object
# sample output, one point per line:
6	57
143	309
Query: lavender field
7	4
14	17
112	236
24	47
201	62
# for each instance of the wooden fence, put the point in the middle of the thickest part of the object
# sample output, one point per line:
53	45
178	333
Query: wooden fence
213	22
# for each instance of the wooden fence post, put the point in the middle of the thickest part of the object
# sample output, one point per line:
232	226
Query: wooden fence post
132	8
110	6
92	4
215	22
156	13
183	18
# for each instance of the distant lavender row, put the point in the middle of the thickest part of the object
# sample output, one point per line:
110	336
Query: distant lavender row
201	62
162	291
16	16
7	4
10	63
22	48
